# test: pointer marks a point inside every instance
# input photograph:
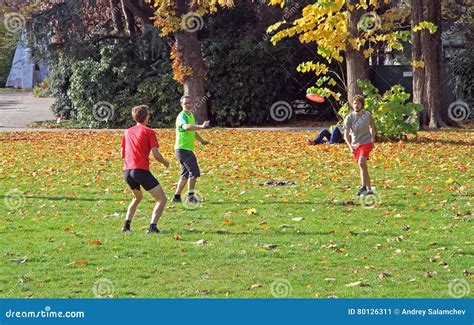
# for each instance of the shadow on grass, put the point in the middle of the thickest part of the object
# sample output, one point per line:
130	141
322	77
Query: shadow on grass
62	198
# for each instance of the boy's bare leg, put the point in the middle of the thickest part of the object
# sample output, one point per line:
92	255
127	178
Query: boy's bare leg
160	197
192	184
364	173
132	208
181	185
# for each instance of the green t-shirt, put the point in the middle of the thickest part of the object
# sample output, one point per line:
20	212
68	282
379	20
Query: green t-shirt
185	139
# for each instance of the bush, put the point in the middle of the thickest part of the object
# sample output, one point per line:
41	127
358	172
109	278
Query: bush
462	66
394	117
103	92
7	45
60	74
42	90
246	82
246	73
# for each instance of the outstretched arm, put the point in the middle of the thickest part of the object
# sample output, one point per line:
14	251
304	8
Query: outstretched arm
195	127
159	157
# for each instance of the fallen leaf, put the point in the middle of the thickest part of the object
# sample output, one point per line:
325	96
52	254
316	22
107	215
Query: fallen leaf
430	274
450	180
96	243
298	219
252	211
271	246
20	260
384	275
254	286
357	284
444	265
201	242
177	237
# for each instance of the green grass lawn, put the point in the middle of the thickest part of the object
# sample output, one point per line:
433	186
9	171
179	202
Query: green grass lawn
64	200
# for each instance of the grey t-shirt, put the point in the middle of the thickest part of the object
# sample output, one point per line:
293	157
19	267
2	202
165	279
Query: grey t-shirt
358	127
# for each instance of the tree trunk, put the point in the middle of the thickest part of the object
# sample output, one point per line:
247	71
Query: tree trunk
117	16
129	18
356	64
432	53
189	49
190	53
419	89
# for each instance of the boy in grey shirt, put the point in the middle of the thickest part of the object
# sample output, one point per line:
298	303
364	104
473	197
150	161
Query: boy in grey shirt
359	134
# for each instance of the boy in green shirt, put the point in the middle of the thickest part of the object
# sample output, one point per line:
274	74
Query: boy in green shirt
185	137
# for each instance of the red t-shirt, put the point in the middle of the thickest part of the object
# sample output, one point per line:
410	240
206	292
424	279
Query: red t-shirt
137	142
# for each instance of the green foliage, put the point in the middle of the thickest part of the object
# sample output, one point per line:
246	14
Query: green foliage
394	116
462	66
42	90
120	81
246	74
7	49
256	81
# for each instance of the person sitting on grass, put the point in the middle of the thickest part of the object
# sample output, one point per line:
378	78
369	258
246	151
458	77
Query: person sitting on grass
325	136
359	134
137	143
185	137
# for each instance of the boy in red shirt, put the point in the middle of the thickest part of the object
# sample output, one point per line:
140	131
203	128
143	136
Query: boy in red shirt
137	143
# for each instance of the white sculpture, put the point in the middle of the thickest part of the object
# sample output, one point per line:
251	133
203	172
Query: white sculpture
24	73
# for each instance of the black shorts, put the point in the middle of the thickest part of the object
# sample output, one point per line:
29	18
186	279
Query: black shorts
137	177
189	164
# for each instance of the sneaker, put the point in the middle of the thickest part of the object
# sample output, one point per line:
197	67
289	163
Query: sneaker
311	142
153	231
176	200
362	191
194	200
126	229
369	192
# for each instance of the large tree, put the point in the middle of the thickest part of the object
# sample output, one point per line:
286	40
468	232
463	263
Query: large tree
183	19
357	65
345	31
429	80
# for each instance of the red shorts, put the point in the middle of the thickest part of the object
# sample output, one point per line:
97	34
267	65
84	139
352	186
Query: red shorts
363	150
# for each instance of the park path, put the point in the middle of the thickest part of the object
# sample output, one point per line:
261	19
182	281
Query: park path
19	109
